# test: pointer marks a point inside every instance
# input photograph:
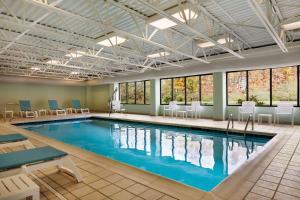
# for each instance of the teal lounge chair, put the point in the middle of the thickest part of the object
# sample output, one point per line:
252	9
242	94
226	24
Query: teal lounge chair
29	160
14	139
25	108
53	106
76	105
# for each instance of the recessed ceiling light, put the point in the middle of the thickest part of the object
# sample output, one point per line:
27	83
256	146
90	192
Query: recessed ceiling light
187	14
74	73
291	26
76	54
53	62
159	54
163	23
35	68
210	44
112	41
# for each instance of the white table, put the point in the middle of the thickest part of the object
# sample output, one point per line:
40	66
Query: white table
267	116
18	187
183	113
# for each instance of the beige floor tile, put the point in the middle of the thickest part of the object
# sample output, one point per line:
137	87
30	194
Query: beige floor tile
269	178
110	190
291	177
267	184
289	190
90	179
125	183
263	191
137	198
151	194
123	195
282	196
93	196
274	173
82	191
137	189
99	184
166	197
114	178
290	183
253	196
104	173
70	196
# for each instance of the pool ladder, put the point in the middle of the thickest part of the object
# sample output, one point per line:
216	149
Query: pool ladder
230	119
252	124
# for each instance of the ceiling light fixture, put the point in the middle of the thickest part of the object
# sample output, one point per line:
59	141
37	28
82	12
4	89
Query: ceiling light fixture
74	73
187	14
163	23
112	41
53	62
210	44
159	54
291	26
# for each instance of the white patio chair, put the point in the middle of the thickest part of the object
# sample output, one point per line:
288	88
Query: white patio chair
248	108
194	109
171	109
117	106
284	108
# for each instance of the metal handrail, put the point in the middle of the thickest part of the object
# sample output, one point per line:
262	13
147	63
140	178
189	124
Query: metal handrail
230	119
111	100
252	124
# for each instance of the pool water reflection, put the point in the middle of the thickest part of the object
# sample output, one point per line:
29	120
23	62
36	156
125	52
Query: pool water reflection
198	158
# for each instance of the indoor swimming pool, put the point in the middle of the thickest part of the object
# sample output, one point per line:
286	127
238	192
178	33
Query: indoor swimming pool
198	158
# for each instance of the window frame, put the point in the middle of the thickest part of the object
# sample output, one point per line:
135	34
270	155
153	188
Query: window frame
126	83
185	88
270	83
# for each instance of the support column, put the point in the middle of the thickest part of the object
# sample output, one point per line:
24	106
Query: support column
219	96
154	97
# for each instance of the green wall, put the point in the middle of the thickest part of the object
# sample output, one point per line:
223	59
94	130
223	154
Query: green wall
39	94
98	97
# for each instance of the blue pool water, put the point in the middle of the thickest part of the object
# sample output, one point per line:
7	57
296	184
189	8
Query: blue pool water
198	158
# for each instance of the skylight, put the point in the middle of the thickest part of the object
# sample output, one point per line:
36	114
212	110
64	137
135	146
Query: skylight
291	26
112	41
163	23
53	62
74	73
159	54
76	54
35	68
186	14
210	44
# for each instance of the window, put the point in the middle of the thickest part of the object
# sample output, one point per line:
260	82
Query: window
184	90
131	93
123	92
179	90
166	91
266	87
140	92
259	86
192	89
207	89
284	85
147	92
135	92
236	87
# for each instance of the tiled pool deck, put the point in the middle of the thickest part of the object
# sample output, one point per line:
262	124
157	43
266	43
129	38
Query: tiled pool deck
273	174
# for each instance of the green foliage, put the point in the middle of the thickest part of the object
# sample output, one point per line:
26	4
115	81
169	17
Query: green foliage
252	98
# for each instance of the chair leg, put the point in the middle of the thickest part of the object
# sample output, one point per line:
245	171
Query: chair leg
68	165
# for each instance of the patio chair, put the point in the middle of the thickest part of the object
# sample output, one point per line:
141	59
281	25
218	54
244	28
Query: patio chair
25	108
77	107
171	108
195	109
26	161
14	139
117	106
284	108
53	106
248	108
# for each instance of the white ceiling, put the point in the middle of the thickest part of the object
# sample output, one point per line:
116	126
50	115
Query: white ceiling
34	32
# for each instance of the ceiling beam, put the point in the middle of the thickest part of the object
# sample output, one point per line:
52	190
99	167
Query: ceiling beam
191	29
269	27
107	26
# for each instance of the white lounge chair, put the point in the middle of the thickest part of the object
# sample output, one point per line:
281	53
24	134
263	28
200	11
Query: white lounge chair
247	108
32	159
76	105
53	106
14	140
25	109
171	108
284	108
